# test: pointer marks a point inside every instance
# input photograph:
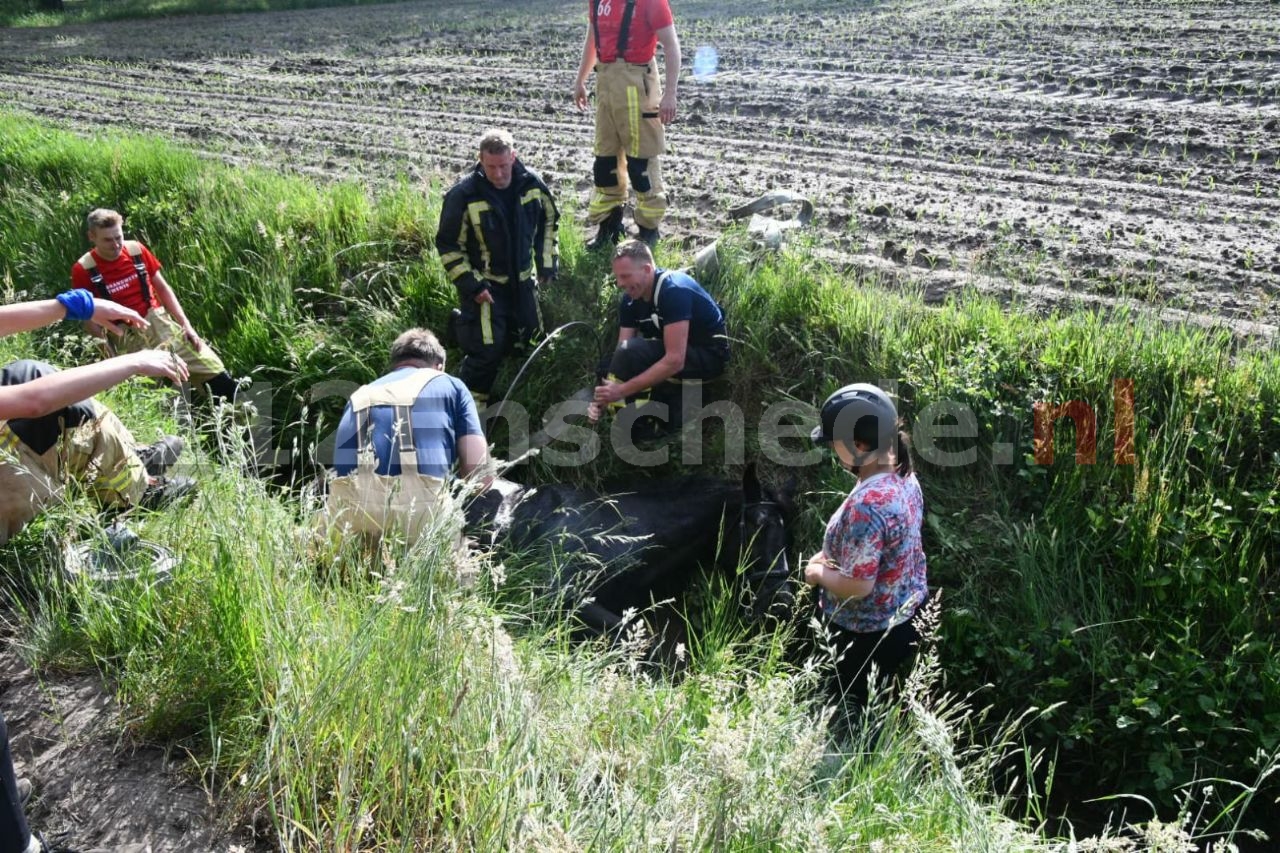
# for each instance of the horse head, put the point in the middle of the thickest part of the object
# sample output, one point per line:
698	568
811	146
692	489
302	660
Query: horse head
762	549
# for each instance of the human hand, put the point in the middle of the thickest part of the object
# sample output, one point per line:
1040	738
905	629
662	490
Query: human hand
484	296
594	411
154	362
580	95
816	567
111	317
189	333
667	107
609	392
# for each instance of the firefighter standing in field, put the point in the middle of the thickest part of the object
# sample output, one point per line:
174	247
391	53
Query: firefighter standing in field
631	109
497	240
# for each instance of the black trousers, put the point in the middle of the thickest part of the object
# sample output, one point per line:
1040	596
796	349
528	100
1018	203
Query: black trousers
636	355
43	432
14	834
489	332
850	683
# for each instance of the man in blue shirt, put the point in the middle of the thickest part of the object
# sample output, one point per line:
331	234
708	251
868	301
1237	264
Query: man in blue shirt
670	333
399	441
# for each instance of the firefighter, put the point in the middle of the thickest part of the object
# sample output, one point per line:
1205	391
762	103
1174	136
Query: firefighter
671	336
632	109
497	240
125	271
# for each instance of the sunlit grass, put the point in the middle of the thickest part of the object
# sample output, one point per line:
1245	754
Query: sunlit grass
374	701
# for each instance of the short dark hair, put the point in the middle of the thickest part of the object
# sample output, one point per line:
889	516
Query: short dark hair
495	140
421	344
636	250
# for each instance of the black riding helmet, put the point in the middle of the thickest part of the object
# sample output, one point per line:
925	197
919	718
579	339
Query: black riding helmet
858	412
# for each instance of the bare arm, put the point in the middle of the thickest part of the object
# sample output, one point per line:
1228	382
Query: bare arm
50	393
473	456
169	301
671	59
821	571
25	316
675	343
584	69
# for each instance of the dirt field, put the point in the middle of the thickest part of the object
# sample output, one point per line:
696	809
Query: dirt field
93	791
1111	151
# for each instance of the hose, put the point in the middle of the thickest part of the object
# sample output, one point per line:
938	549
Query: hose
551	336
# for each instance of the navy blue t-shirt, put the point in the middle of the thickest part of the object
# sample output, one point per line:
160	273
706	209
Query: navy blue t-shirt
678	298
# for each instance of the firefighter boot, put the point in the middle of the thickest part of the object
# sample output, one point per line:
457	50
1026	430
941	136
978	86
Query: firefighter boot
610	232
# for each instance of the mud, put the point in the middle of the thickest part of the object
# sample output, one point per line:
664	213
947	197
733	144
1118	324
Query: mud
1114	153
93	789
1111	152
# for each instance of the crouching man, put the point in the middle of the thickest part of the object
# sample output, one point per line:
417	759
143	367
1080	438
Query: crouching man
399	442
671	333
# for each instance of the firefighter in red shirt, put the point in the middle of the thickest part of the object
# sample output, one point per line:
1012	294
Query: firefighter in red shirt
126	272
631	110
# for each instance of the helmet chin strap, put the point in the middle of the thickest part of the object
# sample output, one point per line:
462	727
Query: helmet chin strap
858	459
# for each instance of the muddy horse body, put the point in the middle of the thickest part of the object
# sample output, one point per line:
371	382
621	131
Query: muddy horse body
621	550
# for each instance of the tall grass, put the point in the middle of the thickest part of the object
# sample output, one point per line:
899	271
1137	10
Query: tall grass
372	701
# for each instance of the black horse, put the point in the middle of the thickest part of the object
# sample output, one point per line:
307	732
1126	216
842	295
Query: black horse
624	550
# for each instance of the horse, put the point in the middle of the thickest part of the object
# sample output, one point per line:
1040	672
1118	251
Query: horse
620	551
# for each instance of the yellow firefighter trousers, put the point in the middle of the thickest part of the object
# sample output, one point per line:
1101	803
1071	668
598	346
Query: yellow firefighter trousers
627	125
99	454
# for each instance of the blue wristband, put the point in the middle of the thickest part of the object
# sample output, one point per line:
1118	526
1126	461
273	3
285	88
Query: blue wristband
79	304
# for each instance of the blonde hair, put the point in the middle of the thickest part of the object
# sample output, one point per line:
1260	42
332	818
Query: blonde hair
102	217
636	250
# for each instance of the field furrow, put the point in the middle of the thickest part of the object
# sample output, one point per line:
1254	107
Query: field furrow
1088	150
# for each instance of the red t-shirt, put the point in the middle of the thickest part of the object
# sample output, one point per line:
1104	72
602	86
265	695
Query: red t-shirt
121	278
648	17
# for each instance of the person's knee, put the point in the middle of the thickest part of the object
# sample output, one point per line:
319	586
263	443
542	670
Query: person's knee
25	370
605	170
638	172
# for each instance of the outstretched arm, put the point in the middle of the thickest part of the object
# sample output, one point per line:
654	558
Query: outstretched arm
50	393
25	316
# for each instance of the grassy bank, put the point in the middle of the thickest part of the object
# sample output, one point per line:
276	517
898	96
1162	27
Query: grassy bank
374	701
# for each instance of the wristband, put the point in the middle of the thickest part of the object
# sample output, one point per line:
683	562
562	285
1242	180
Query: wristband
79	304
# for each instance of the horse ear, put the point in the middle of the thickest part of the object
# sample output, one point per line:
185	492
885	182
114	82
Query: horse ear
751	484
787	494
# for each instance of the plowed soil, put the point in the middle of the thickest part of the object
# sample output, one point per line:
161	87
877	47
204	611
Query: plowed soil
1111	152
